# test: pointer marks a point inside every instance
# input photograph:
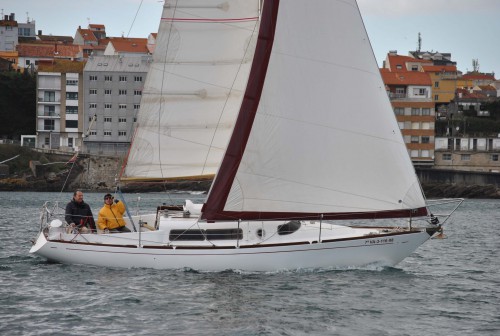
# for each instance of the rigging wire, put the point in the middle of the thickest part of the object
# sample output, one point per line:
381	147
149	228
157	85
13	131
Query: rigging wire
135	17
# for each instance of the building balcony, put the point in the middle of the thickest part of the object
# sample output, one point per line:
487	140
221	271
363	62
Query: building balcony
49	114
49	101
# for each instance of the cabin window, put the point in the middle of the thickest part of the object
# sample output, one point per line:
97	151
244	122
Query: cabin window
288	228
200	235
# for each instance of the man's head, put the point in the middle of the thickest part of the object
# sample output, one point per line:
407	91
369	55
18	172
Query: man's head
108	199
78	196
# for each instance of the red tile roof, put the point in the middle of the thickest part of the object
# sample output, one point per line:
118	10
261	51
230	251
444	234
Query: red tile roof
131	45
395	60
406	78
477	76
440	68
48	50
87	34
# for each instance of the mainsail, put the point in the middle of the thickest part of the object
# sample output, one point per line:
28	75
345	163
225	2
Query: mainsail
304	146
194	88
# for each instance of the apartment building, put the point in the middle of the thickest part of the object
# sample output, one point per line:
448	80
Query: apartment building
59	105
410	92
113	90
9	33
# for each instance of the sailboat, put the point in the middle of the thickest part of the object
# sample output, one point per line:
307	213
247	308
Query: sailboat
280	104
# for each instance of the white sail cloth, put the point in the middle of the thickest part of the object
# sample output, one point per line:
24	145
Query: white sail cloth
324	139
194	88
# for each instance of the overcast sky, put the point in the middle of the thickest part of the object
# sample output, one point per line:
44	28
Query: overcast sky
468	29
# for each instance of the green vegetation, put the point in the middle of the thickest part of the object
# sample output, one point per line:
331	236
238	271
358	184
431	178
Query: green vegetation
17	104
20	165
470	124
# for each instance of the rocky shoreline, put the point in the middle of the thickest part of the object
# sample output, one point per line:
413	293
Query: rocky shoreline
100	173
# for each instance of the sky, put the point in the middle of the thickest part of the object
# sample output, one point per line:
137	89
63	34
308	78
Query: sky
468	29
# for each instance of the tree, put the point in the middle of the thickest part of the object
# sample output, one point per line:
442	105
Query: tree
17	104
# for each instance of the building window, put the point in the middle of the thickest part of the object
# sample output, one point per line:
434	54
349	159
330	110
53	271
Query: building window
49	96
93	132
401	125
49	110
399	111
414	68
47	141
108	106
71	123
108	78
426	139
108	119
122	106
122	120
419	92
137	78
123	78
137	92
72	95
436	97
93	91
446	157
93	78
92	105
425	153
426	111
436	84
49	125
107	133
415	125
465	157
71	82
415	111
71	109
122	92
137	106
122	133
107	92
414	139
494	157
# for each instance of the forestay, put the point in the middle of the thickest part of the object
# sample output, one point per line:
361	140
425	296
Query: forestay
324	139
194	88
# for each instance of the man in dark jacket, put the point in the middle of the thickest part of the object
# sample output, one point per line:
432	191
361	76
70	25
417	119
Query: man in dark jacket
78	214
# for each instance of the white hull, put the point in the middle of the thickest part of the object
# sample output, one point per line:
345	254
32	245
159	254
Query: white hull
341	247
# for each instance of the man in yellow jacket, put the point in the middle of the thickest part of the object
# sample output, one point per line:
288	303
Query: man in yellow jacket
111	215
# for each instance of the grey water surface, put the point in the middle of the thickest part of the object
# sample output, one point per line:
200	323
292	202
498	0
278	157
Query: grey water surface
447	287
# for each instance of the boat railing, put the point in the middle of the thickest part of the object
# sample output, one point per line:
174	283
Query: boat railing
443	208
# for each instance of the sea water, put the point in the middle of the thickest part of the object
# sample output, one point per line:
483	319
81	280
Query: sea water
447	287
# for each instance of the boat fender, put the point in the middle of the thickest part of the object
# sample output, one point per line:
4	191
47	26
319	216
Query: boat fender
434	220
55	223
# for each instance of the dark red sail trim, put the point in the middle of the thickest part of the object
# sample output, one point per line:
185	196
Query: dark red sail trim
234	153
263	216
